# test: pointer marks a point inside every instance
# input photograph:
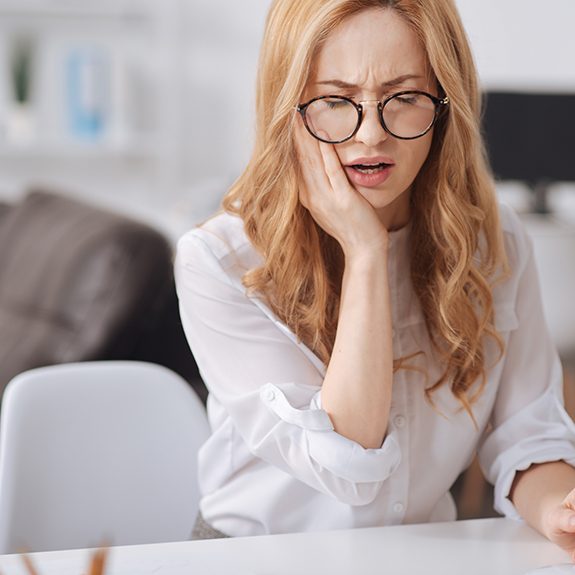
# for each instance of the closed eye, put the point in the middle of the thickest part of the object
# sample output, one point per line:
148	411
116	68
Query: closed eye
407	99
334	103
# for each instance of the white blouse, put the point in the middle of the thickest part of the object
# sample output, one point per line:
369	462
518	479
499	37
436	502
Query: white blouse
274	463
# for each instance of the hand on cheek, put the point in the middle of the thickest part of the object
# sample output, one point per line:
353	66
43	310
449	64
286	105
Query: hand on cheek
332	201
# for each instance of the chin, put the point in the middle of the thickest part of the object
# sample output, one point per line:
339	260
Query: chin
379	197
390	204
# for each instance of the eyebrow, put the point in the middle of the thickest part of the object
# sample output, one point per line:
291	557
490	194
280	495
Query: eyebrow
390	84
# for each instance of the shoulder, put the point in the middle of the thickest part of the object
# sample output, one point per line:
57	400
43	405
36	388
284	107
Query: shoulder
516	240
519	252
221	242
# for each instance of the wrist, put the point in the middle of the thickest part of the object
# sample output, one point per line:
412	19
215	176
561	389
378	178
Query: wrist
374	252
366	262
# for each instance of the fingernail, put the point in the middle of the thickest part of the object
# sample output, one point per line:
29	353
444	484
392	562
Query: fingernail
572	521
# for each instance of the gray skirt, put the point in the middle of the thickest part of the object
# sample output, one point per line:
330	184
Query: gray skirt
203	530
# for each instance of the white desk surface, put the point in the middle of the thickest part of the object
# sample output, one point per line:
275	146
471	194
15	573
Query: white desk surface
478	547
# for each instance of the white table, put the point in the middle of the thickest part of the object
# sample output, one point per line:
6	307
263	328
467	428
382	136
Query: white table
478	547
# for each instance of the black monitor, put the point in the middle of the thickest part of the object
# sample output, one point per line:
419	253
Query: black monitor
530	137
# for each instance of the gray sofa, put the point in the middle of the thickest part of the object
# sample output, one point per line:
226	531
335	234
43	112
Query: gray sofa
79	283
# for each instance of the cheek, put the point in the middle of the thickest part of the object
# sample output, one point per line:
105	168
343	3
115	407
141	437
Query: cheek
417	153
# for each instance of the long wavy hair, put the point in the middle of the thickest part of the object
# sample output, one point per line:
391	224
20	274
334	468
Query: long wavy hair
456	243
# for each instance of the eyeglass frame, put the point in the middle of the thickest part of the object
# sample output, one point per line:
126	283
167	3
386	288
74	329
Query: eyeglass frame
440	105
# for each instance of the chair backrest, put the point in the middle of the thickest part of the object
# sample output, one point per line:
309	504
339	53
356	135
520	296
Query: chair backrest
98	453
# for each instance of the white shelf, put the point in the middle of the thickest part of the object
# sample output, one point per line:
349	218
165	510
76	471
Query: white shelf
63	150
103	9
135	87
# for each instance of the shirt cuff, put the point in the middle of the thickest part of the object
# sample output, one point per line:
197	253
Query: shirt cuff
542	432
313	419
339	455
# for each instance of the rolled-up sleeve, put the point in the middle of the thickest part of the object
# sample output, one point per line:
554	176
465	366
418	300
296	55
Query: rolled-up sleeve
267	382
529	422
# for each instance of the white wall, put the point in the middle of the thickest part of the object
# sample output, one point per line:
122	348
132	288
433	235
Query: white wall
223	41
522	44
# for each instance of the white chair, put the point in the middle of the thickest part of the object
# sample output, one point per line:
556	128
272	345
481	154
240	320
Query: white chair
98	453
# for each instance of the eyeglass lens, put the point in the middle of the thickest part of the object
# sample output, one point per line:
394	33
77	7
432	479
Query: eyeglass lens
407	115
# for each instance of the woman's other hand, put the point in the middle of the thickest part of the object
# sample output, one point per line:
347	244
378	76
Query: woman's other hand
560	524
544	495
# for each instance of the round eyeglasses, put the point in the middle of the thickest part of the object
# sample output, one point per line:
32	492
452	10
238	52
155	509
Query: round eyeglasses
405	115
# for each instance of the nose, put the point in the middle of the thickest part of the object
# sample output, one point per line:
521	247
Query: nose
371	131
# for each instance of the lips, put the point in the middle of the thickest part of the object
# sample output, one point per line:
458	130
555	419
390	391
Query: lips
370	168
369	172
373	163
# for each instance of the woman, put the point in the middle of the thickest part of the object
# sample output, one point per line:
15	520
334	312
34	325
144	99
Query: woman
362	314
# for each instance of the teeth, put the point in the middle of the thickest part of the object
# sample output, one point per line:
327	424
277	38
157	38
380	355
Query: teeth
370	169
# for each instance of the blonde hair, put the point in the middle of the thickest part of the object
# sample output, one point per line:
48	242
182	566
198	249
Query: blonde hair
454	212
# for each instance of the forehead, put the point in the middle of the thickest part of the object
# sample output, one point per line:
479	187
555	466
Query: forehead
373	46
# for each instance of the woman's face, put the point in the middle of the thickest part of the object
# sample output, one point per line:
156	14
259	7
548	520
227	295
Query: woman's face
370	56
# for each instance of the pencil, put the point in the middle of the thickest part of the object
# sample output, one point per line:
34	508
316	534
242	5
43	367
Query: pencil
98	562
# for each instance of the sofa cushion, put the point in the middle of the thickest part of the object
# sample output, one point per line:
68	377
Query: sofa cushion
4	210
76	283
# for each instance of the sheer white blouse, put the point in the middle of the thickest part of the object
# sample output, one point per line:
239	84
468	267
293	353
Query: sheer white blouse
274	463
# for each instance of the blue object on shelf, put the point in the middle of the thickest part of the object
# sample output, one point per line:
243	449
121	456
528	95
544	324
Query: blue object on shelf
88	83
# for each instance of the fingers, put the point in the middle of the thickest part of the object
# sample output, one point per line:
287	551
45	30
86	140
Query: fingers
333	167
311	163
308	151
319	161
560	528
564	520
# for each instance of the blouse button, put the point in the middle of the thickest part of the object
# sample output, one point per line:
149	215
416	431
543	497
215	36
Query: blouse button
398	507
268	395
399	421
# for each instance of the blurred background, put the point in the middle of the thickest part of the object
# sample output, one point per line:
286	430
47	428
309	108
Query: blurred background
144	108
147	105
141	105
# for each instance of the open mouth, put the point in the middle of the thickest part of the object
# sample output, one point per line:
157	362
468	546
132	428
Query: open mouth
370	168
